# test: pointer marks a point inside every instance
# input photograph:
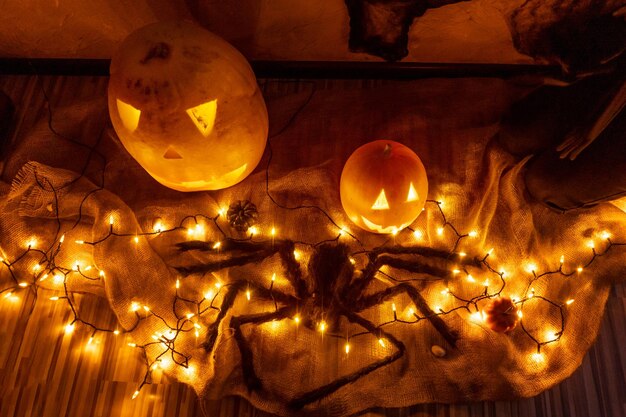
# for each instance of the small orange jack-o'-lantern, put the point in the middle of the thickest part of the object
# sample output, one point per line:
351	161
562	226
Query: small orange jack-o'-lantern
186	105
501	314
383	186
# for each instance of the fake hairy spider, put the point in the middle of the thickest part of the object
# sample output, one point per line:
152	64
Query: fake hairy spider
331	289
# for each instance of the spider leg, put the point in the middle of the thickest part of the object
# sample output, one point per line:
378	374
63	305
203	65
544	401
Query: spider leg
243	252
380	257
252	381
227	303
232	290
376	262
322	392
420	303
425	252
292	268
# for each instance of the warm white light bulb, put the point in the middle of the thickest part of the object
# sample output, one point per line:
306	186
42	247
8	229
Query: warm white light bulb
477	317
538	357
322	326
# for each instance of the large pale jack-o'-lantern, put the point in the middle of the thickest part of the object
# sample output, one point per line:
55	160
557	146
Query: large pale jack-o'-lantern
186	105
383	186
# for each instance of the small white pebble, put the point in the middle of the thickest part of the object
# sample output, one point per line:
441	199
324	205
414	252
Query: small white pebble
49	207
438	351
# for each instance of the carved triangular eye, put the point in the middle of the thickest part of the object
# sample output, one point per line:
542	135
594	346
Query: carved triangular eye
203	116
381	202
171	153
413	195
129	115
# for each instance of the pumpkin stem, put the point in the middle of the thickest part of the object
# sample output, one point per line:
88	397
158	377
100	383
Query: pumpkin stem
387	151
160	50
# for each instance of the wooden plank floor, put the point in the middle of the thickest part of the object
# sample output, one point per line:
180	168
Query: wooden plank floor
46	373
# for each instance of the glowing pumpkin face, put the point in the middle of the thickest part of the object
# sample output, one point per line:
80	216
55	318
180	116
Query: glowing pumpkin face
186	105
383	186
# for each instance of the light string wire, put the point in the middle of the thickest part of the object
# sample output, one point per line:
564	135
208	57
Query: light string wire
47	268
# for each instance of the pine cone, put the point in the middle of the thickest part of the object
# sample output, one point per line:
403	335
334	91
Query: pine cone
241	215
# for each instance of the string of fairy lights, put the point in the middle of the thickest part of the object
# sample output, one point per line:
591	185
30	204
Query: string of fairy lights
163	349
46	268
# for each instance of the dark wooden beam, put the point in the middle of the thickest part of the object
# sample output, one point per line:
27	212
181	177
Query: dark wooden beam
298	69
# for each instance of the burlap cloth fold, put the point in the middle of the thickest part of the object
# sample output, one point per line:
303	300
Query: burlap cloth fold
449	123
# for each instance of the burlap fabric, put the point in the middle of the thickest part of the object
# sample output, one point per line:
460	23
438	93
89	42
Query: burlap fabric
449	123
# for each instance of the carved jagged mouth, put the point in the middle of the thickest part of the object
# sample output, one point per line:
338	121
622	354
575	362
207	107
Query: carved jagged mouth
380	229
229	177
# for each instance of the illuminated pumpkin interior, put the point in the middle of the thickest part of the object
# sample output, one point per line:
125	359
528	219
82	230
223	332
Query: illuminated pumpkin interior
203	116
381	202
129	115
413	195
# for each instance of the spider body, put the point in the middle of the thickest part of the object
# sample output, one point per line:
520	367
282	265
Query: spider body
330	272
329	297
